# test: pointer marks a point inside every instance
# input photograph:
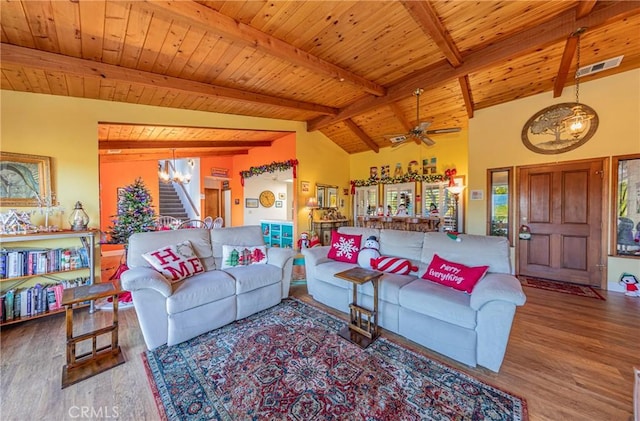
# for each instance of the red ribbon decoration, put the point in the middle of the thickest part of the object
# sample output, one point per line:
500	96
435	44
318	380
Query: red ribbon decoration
241	179
353	187
450	173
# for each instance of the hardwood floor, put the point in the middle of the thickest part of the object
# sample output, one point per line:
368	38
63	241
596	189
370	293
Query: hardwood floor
570	357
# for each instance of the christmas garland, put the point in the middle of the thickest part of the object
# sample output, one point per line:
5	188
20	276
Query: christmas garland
406	178
270	168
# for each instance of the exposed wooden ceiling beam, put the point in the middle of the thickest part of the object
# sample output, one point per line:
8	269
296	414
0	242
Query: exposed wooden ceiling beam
425	16
362	135
180	144
12	55
210	20
565	65
544	34
397	112
584	7
143	156
466	94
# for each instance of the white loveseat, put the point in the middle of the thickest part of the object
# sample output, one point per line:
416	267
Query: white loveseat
471	328
170	313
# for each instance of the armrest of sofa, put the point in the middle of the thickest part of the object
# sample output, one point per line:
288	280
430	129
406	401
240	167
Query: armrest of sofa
497	286
277	256
145	278
316	255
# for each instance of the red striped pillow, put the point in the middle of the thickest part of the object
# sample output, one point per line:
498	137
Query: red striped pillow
393	265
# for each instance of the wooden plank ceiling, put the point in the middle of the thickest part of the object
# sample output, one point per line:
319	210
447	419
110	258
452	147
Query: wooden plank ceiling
347	68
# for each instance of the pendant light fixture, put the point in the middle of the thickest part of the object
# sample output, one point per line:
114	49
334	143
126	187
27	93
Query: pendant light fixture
578	121
168	173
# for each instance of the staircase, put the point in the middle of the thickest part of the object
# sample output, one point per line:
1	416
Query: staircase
169	202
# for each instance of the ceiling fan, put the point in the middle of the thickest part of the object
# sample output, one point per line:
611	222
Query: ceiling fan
420	131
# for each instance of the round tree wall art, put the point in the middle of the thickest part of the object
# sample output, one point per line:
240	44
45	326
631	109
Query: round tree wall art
547	131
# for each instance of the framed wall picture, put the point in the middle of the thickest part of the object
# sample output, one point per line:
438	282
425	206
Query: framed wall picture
305	186
251	203
281	196
278	203
26	179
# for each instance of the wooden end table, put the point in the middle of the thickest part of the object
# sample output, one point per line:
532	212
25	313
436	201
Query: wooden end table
361	331
81	367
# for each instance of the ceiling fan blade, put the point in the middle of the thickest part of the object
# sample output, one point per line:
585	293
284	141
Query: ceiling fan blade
398	144
427	140
445	130
397	138
423	126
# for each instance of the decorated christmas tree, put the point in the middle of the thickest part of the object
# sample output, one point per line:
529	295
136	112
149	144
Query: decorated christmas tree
135	213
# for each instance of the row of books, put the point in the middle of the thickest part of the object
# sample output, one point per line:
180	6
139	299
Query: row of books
31	301
34	261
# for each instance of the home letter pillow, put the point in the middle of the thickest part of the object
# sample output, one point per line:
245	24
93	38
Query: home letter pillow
454	275
175	262
234	256
344	247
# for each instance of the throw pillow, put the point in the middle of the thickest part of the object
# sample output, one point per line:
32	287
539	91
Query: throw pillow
234	256
176	262
454	275
393	265
344	247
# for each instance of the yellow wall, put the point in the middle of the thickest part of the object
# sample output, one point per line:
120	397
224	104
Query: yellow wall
321	161
494	141
450	151
66	129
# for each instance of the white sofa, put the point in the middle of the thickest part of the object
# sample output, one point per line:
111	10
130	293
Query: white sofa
172	313
471	328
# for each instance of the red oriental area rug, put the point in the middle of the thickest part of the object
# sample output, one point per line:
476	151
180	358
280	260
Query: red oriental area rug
288	363
557	286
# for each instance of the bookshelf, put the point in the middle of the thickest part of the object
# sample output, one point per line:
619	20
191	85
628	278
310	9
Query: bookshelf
277	233
17	241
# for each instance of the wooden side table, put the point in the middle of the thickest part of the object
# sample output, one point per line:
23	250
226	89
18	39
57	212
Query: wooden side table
361	331
81	367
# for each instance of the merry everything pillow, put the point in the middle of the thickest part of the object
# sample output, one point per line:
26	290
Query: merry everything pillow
454	275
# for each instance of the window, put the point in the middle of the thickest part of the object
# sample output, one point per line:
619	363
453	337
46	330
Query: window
498	203
399	199
366	200
626	200
434	201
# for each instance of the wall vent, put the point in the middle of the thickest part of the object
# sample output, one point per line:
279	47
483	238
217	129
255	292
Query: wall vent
113	151
600	66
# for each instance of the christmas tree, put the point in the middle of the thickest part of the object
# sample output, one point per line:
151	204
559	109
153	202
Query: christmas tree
135	213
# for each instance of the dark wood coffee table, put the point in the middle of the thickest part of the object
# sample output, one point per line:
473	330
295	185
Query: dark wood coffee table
80	367
361	331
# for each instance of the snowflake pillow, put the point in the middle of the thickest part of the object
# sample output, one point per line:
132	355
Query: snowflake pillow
235	256
344	247
175	262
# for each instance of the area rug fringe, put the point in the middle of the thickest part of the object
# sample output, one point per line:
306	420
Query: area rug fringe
154	389
215	376
562	287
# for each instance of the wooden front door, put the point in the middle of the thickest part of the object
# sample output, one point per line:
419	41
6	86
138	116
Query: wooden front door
563	206
213	203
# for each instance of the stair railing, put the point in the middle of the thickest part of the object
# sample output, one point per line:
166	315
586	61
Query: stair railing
184	195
